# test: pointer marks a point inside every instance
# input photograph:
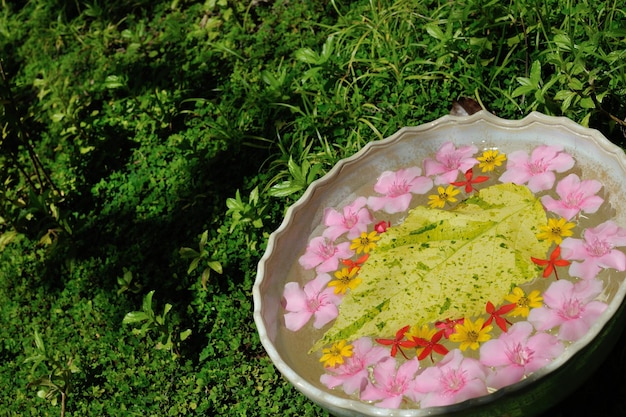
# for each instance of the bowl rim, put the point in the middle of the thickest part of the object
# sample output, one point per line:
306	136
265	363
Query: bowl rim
329	401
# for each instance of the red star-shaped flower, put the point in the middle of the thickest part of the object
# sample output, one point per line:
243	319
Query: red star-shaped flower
470	180
398	342
496	314
431	346
552	263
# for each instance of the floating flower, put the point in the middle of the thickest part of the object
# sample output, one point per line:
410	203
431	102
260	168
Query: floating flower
398	342
516	353
523	303
538	169
353	373
345	279
426	346
448	326
335	354
398	188
497	315
596	250
471	334
382	226
490	159
556	230
390	384
570	306
469	181
354	220
448	161
552	263
315	299
323	254
365	243
446	195
425	332
453	379
576	196
355	264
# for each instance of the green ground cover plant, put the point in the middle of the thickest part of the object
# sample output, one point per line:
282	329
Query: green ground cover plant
149	148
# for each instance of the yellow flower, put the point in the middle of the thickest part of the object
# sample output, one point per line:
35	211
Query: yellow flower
491	159
524	302
334	355
423	332
365	243
346	278
556	230
471	334
445	196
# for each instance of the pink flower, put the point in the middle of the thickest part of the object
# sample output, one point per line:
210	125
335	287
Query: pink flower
516	353
391	385
449	161
570	306
538	169
324	254
315	299
453	379
596	250
398	188
576	196
353	374
354	220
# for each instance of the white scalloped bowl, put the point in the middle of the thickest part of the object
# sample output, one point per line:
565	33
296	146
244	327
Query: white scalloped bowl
534	394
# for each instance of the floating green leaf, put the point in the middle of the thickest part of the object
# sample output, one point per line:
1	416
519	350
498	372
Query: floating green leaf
442	264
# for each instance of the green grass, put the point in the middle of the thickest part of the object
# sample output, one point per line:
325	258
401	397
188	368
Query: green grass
132	130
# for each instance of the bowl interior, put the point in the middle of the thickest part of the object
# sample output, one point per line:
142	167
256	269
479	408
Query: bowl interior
595	157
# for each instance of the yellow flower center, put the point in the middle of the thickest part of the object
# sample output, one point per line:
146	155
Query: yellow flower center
523	302
472	336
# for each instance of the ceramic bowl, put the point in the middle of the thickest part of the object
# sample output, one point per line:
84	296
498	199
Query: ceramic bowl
594	155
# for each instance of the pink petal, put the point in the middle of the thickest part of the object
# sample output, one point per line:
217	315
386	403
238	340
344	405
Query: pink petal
390	204
614	259
407	370
515	175
343	251
562	162
313	288
572	248
587	269
504	376
591	204
517	159
432	167
429	380
546	348
543	318
295	298
325	314
384	373
557	207
493	353
295	320
421	185
541	182
447	177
